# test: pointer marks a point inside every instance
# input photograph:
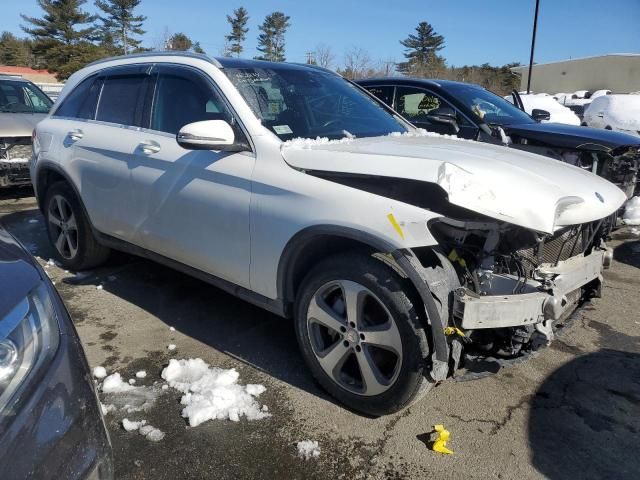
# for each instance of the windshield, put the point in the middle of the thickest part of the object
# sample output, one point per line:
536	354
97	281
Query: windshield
294	102
18	96
491	108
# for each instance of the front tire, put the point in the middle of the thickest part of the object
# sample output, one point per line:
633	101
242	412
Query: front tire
360	334
69	230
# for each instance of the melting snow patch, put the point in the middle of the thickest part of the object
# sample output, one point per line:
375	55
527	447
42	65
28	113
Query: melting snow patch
50	263
132	381
152	433
130	426
141	374
99	372
632	212
114	384
171	346
310	142
107	408
171	329
99	287
308	449
212	393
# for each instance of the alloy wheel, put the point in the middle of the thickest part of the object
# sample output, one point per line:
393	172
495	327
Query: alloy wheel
354	337
64	228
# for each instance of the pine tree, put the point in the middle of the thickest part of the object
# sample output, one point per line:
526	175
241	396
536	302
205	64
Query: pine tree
421	51
180	42
61	43
121	23
14	51
271	40
238	31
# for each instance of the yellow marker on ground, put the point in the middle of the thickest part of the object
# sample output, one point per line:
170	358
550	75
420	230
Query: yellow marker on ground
395	225
440	445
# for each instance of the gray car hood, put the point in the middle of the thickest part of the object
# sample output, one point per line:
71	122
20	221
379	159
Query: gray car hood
518	187
19	124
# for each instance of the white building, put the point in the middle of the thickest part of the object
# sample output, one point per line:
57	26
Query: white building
618	72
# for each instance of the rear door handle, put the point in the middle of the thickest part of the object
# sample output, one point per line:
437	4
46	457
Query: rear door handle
76	135
150	147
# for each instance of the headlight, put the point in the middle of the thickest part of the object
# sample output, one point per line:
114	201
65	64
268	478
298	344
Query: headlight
29	338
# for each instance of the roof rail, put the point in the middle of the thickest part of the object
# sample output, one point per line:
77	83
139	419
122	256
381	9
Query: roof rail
162	53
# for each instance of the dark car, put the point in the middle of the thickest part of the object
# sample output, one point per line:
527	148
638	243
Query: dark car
51	424
472	112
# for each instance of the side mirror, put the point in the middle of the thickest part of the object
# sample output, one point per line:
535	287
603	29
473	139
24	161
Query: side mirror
206	135
539	115
444	115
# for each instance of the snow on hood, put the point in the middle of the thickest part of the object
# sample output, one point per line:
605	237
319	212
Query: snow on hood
511	185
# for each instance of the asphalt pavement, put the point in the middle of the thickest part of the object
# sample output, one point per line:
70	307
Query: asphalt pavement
571	411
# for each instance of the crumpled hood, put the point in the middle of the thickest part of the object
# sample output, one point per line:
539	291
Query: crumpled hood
19	124
518	187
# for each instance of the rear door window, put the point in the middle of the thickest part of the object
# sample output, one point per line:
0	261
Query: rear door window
82	101
121	99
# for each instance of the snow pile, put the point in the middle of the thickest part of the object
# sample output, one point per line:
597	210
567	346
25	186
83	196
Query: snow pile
308	449
621	112
99	372
559	113
141	374
310	142
114	384
152	433
212	393
632	212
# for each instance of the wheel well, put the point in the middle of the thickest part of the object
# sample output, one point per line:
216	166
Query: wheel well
304	254
46	177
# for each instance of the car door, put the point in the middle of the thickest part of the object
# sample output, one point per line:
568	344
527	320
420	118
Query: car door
194	204
417	104
103	149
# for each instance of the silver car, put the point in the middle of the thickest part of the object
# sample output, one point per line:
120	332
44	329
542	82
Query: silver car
22	106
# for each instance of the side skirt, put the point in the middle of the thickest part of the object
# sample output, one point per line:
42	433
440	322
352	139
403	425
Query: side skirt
274	306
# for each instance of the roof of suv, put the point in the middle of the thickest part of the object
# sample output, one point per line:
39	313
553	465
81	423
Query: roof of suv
220	62
415	81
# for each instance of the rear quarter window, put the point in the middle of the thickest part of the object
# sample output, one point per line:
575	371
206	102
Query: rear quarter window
82	101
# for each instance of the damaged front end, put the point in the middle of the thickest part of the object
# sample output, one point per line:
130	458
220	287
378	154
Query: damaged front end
620	165
15	153
515	283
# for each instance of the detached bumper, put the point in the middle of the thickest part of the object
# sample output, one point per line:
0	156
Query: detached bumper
538	303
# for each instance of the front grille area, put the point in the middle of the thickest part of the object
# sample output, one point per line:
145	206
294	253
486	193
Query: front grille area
15	148
563	245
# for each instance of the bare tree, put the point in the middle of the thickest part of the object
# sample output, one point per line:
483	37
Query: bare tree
324	56
357	63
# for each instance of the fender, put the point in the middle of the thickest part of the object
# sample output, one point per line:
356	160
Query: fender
406	260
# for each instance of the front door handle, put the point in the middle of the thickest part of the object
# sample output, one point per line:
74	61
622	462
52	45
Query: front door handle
150	147
76	135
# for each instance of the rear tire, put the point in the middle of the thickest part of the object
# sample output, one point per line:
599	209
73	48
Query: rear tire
69	230
377	363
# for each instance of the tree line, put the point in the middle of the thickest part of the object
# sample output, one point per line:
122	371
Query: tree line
66	37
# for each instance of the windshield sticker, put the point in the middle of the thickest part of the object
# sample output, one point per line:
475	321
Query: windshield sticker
282	129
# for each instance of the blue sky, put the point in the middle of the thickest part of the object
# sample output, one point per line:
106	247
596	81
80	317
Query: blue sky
493	31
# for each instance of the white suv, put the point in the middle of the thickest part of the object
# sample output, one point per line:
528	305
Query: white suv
395	251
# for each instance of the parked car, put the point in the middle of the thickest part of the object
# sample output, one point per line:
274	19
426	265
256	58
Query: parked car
557	113
472	112
22	106
292	188
615	112
51	423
